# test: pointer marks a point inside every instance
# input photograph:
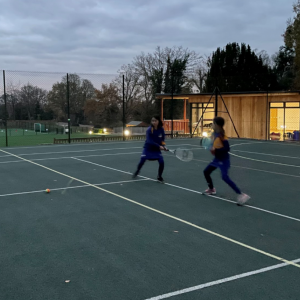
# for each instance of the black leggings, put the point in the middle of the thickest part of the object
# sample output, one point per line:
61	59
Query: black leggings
224	171
160	169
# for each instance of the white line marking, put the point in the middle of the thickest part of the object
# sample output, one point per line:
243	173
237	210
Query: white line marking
89	144
252	143
220	281
264	161
68	157
80	151
267	154
74	144
130	153
259	170
77	151
280	143
193	191
73	187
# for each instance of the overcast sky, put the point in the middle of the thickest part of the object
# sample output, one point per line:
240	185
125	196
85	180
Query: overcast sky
97	36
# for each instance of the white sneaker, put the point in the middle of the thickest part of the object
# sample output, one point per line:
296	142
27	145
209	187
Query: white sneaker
242	199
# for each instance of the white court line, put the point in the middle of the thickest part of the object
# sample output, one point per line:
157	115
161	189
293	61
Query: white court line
250	143
267	154
80	151
77	151
87	144
274	143
68	157
264	161
73	144
193	191
130	153
220	281
253	169
72	187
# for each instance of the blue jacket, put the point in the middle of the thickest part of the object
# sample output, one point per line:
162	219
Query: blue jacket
222	148
154	139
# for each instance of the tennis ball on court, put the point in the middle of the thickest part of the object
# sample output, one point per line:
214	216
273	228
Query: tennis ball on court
47	190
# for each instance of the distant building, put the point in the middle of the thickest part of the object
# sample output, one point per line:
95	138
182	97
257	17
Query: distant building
137	124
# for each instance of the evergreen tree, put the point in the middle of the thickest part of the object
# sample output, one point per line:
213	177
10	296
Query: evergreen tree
237	68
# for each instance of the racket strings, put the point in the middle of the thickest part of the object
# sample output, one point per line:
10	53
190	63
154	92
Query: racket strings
184	154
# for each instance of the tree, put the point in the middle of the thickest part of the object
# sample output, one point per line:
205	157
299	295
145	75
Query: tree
132	89
152	68
284	67
12	98
198	75
104	110
29	96
292	41
57	101
80	90
237	68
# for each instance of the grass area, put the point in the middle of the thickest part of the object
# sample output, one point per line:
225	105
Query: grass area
17	140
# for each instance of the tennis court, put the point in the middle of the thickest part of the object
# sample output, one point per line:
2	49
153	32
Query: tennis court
101	235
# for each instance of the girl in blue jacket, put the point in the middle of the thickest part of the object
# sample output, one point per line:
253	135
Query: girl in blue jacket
220	149
155	142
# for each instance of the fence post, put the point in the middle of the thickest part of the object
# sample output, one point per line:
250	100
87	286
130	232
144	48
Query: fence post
123	91
68	102
172	107
5	108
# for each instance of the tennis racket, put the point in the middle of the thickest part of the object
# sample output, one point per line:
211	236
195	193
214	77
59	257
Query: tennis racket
182	154
206	143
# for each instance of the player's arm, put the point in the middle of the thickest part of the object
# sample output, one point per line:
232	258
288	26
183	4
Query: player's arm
163	143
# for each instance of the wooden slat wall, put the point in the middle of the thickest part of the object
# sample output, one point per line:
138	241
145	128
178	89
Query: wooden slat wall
248	114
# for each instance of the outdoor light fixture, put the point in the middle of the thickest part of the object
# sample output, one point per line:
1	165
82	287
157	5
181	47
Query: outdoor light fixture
104	130
90	132
126	132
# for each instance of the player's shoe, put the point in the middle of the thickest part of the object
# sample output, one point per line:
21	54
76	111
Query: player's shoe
210	191
135	175
160	179
242	199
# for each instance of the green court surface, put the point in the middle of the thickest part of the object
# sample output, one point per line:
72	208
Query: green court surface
99	234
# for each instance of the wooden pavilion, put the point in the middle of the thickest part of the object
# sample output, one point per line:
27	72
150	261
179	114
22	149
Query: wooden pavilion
256	115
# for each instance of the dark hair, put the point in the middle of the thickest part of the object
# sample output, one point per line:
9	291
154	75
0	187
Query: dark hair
160	123
219	121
